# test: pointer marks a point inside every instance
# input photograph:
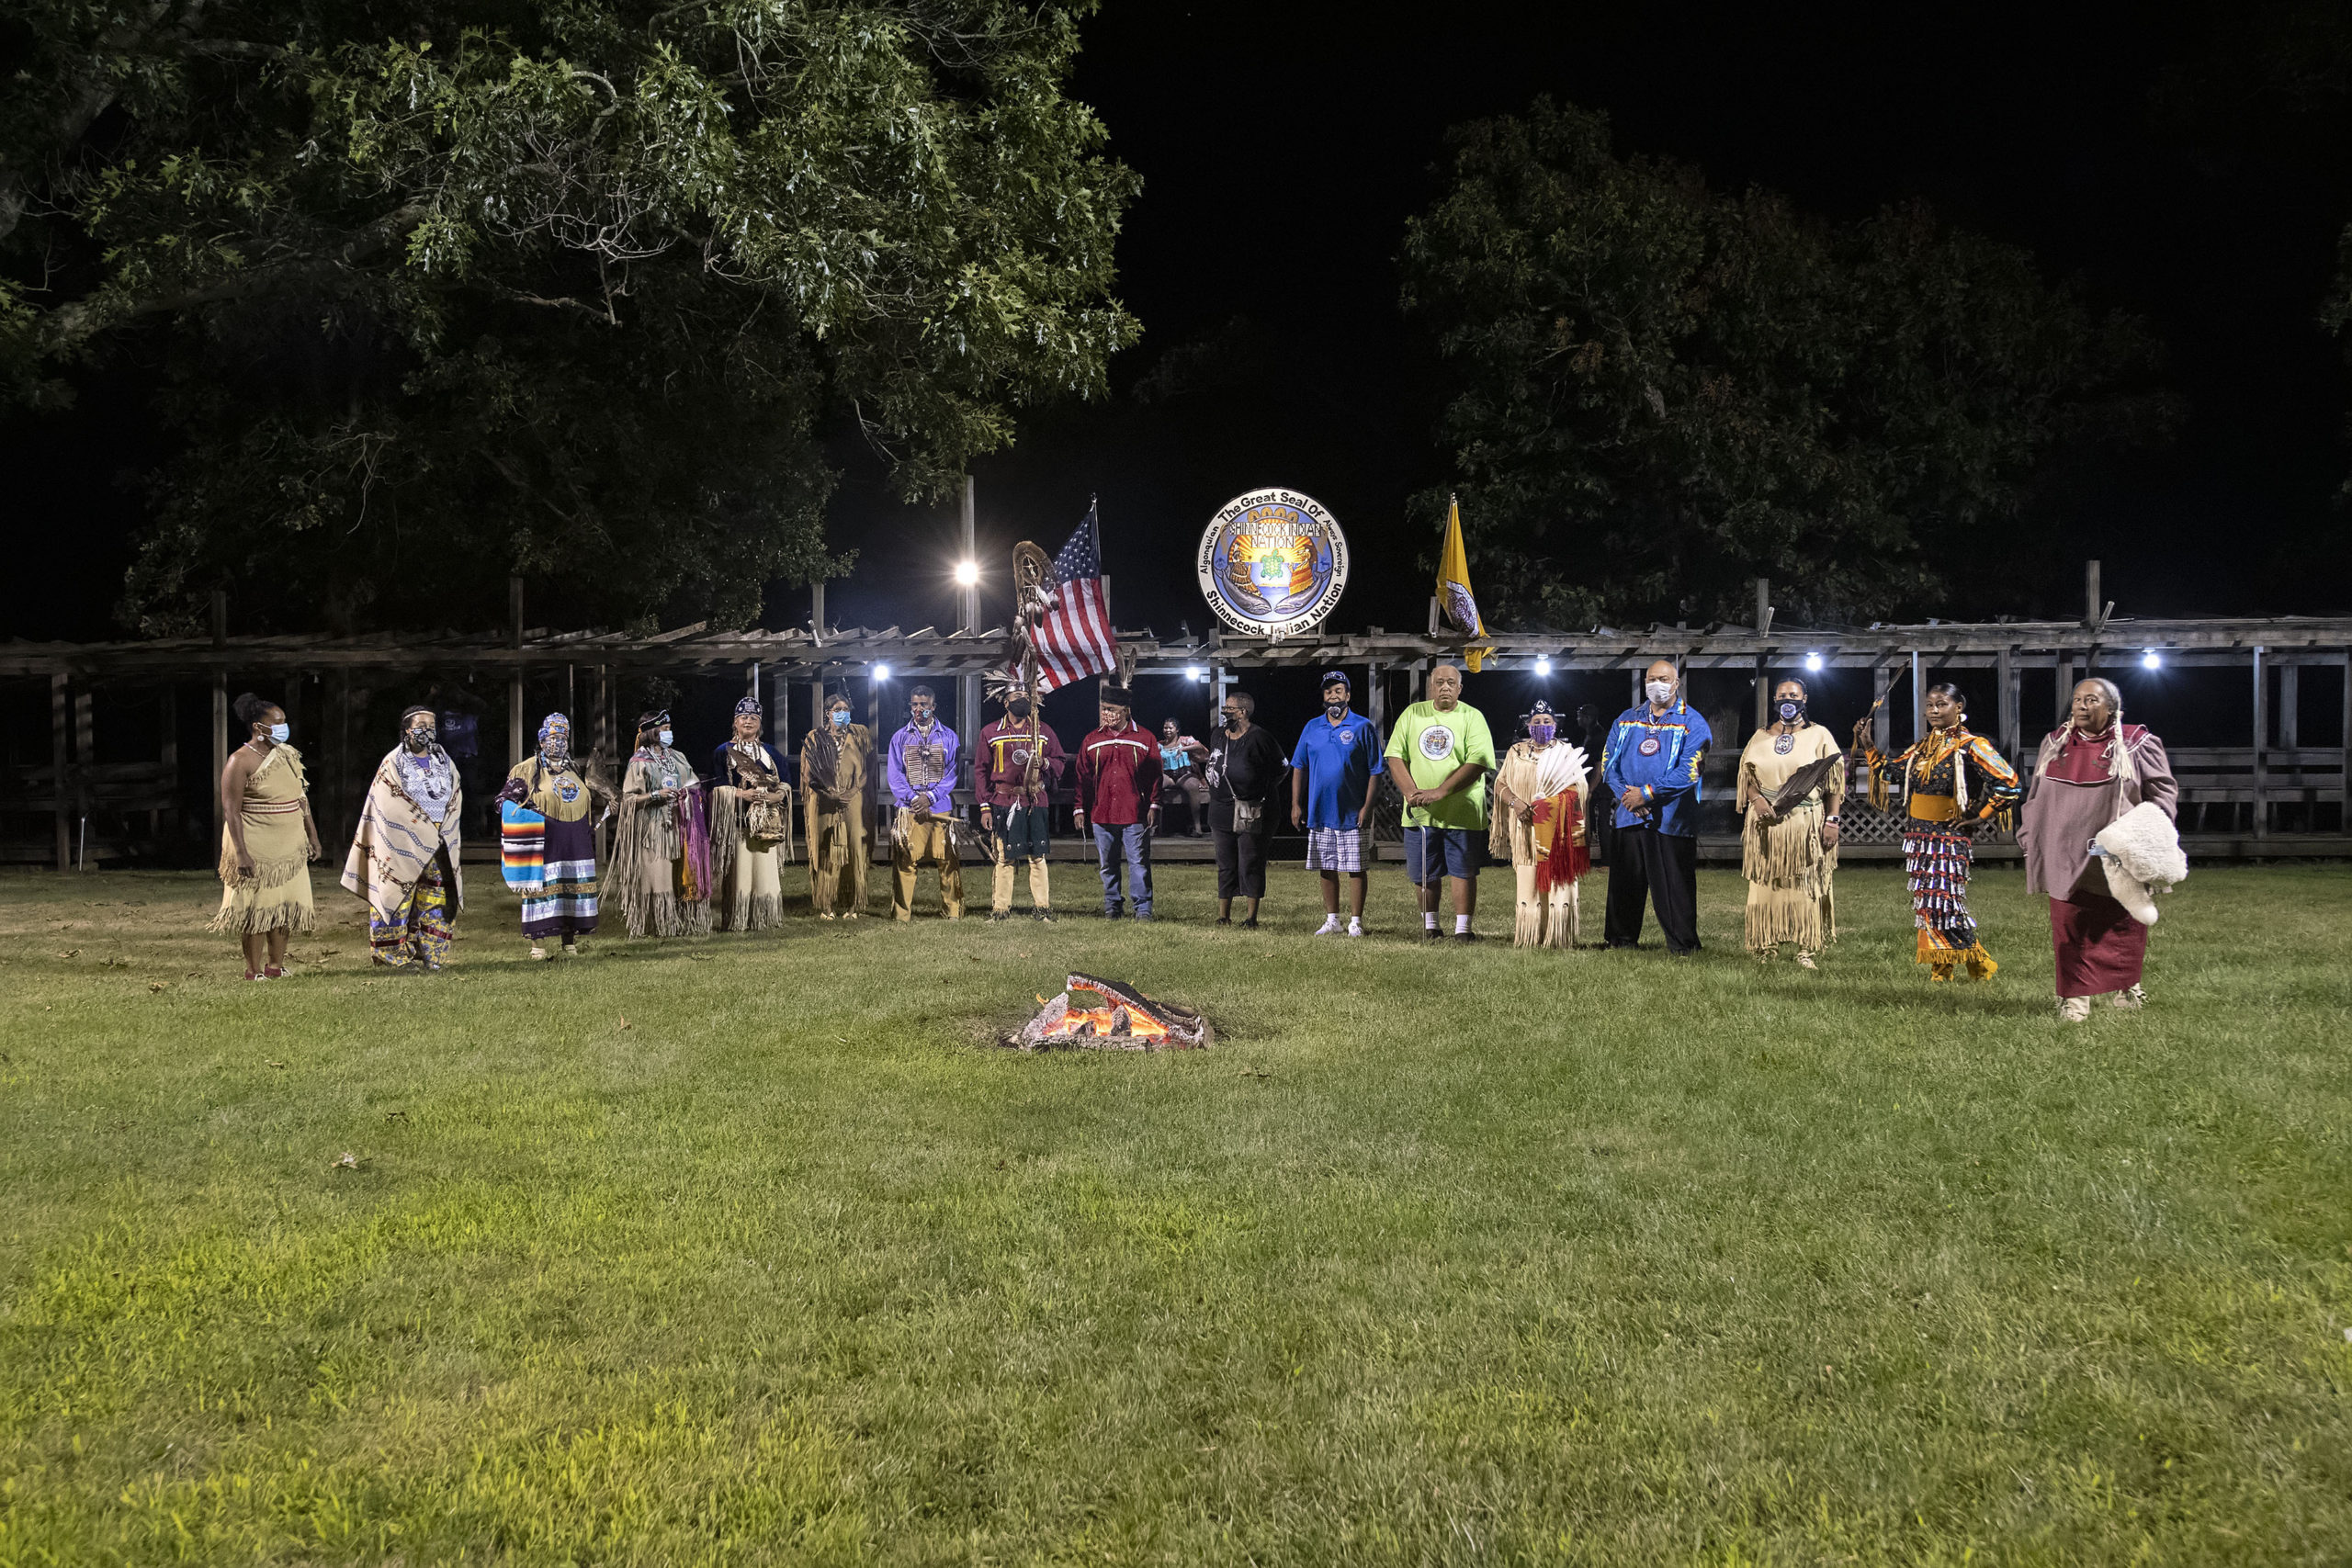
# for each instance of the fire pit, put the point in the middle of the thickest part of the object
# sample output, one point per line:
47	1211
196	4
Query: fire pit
1102	1015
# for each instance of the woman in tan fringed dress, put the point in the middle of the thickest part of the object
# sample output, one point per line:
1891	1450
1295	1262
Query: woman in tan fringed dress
267	841
1542	798
668	852
1789	857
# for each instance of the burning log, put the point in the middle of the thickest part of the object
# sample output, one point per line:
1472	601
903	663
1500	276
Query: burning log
1103	1015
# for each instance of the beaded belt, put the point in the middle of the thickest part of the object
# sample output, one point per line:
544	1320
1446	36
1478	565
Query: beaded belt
270	808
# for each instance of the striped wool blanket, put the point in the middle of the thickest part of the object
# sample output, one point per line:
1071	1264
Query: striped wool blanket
397	841
523	847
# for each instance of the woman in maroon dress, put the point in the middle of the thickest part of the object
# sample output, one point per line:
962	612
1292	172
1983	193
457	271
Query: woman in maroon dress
2092	770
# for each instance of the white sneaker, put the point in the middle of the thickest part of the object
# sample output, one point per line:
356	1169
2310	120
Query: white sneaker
1330	926
2074	1010
1356	927
2131	1001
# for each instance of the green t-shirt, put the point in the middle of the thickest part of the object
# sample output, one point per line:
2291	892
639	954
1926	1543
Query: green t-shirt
1433	745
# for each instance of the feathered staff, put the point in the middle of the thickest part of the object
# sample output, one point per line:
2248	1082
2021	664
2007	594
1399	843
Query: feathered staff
1033	595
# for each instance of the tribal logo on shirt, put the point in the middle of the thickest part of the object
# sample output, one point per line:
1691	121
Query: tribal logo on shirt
1436	742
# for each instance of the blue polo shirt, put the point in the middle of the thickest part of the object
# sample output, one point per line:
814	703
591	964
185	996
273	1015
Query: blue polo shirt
1340	760
1659	753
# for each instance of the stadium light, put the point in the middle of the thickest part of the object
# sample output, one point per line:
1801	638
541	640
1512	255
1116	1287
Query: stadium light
1194	672
967	574
2151	660
1542	667
1812	662
881	672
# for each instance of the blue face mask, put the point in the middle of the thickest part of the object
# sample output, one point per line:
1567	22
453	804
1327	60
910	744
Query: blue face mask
664	738
278	732
841	718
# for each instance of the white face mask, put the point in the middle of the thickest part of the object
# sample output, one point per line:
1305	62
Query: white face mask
278	733
663	738
1660	693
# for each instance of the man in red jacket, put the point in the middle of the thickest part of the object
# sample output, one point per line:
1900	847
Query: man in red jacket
1016	763
1118	796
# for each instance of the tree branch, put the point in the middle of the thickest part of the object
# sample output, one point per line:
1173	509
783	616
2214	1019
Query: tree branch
74	323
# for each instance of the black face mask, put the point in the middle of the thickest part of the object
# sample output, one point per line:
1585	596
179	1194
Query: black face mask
1018	708
1232	722
1791	712
1337	710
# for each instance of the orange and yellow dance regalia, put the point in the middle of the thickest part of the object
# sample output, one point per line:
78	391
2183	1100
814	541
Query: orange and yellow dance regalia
1952	782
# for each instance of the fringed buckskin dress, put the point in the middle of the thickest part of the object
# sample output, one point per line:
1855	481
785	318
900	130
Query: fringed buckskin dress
278	895
1788	869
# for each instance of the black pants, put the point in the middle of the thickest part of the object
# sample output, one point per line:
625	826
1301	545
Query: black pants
1240	862
1662	868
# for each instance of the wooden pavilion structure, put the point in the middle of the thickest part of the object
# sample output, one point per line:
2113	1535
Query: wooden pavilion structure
2246	786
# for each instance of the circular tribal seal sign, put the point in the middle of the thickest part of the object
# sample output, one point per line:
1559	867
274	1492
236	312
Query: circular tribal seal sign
1272	563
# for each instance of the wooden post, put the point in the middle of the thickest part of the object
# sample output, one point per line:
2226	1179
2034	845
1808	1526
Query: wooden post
2090	593
86	755
1376	709
2344	741
2005	668
168	754
340	810
2261	736
967	621
1919	698
1881	721
1763	675
2062	686
2291	691
515	685
220	708
57	706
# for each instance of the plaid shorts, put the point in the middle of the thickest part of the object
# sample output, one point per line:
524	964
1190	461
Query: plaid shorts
1335	849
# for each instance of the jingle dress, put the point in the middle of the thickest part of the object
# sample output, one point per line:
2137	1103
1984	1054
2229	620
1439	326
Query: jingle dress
1952	781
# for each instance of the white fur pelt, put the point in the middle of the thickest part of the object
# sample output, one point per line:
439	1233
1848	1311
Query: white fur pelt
2143	855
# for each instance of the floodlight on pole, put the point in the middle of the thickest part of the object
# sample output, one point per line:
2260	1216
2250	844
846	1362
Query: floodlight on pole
1194	672
967	574
881	672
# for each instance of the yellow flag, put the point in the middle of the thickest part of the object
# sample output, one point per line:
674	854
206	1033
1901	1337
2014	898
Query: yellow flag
1453	588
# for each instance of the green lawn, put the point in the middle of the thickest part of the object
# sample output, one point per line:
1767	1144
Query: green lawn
751	1251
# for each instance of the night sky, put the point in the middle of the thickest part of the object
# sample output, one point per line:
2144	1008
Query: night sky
1283	148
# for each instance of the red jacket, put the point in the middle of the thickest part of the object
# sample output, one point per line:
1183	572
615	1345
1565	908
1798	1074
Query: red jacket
1118	776
1000	763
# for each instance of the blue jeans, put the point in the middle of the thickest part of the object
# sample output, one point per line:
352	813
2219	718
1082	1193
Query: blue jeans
1134	840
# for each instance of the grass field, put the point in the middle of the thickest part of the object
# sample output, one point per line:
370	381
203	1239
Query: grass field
751	1251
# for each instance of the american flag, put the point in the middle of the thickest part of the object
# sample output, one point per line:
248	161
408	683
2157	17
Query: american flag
1074	638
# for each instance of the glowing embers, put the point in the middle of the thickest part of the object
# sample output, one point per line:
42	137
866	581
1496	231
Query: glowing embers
1102	1015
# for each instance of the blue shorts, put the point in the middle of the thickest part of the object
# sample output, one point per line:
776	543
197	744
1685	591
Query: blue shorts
1432	852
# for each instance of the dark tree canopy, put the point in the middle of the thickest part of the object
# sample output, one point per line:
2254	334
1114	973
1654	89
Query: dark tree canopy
568	288
1663	391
